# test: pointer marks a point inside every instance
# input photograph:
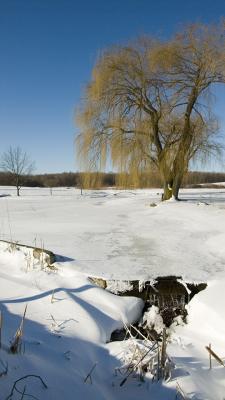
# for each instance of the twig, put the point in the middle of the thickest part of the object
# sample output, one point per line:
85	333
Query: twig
23	393
89	374
52	298
5	368
20	379
128	330
210	357
56	325
141	334
180	392
217	358
135	366
18	335
24	390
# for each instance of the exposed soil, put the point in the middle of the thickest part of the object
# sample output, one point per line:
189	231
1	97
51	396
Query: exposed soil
170	294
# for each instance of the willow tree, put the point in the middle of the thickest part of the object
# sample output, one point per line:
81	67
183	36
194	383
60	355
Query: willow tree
147	105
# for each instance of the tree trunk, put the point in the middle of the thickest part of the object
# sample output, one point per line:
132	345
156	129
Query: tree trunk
177	184
167	190
172	187
17	185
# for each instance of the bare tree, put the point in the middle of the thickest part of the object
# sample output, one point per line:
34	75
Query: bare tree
148	105
17	163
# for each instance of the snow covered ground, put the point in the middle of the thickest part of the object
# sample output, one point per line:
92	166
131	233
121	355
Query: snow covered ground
114	234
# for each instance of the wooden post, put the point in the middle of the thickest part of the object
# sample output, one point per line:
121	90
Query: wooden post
89	374
163	353
52	298
158	366
210	357
214	355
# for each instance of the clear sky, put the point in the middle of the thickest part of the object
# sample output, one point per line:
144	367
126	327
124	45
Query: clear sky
48	48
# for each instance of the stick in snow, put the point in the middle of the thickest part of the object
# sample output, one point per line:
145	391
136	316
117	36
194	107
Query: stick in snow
217	358
18	335
135	366
20	379
89	374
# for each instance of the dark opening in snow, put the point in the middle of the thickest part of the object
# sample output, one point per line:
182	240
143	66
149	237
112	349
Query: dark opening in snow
170	294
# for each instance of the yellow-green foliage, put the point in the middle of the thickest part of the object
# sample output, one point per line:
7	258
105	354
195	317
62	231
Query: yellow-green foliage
142	107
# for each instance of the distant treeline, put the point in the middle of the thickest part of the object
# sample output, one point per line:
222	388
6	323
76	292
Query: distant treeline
64	179
98	180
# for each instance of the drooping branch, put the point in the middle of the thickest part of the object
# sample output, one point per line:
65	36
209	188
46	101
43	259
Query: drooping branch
143	103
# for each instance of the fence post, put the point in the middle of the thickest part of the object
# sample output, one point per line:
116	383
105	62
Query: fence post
210	357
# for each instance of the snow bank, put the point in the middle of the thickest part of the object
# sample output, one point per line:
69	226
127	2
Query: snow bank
206	321
206	325
68	322
29	257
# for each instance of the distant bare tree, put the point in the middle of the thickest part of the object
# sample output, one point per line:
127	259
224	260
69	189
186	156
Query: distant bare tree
147	105
17	163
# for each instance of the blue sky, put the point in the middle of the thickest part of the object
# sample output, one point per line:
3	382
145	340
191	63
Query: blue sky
48	48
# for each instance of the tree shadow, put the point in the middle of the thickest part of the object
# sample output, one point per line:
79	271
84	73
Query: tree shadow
46	294
208	382
62	259
64	362
206	198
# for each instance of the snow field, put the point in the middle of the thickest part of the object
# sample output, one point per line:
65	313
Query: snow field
114	234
